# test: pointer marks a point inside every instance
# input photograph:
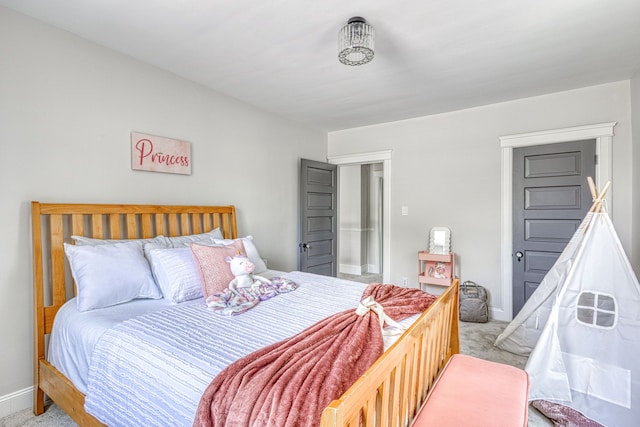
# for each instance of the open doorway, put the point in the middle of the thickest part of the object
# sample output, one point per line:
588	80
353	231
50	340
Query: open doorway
360	222
383	157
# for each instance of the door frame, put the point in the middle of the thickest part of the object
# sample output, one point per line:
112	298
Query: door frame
602	133
378	176
384	157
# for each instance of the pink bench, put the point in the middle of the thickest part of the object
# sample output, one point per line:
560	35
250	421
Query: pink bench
472	392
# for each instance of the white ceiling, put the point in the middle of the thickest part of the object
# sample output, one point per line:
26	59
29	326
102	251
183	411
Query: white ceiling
432	56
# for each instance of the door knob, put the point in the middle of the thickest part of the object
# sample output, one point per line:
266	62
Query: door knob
519	256
304	246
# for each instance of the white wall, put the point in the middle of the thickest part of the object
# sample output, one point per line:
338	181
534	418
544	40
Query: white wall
446	169
374	220
350	220
635	120
67	107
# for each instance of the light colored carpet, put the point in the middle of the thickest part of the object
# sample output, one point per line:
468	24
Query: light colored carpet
476	339
363	278
25	418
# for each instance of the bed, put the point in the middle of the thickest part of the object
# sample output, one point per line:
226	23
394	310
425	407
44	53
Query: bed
389	393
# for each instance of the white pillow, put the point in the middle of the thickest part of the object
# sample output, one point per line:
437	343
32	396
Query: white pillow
176	273
204	238
251	250
160	241
111	274
90	241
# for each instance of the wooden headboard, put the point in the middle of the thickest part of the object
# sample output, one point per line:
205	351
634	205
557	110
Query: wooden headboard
53	224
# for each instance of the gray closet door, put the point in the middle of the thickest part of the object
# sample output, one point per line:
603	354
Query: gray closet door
318	218
550	198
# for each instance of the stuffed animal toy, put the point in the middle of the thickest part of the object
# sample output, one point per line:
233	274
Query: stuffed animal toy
242	268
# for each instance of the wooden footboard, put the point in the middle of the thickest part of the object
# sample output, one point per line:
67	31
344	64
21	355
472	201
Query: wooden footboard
391	392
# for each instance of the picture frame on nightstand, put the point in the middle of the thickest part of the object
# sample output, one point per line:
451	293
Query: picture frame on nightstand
436	269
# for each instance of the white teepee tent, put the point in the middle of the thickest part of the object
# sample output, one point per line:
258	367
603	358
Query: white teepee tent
583	325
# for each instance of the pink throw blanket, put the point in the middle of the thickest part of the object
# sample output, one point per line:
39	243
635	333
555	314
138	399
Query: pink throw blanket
289	383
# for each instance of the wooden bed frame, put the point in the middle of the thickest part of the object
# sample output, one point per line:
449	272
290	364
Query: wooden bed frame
388	394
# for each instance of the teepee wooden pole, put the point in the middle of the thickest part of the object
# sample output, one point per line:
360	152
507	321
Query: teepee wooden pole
592	187
603	192
598	197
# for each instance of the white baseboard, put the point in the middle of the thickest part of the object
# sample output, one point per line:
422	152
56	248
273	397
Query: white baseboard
373	269
498	314
351	269
16	401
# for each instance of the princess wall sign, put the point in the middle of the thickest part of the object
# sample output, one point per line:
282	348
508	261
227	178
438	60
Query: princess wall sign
159	154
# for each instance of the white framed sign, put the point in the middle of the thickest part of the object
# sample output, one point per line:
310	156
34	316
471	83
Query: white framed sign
159	154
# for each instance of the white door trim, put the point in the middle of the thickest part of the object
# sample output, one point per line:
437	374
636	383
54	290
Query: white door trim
603	134
383	157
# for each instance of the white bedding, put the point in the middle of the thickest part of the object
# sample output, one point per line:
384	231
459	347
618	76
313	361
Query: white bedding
76	333
187	344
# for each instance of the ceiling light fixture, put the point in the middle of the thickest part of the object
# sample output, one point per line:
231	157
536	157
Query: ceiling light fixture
356	42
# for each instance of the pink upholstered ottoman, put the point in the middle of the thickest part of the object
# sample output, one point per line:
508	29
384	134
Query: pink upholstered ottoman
472	392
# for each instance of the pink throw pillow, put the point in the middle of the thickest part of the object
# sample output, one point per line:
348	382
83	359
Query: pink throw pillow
214	269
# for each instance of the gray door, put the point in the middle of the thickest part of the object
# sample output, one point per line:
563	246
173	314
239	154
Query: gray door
318	218
550	198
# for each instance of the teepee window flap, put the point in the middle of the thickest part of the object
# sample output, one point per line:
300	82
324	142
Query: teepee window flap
596	309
